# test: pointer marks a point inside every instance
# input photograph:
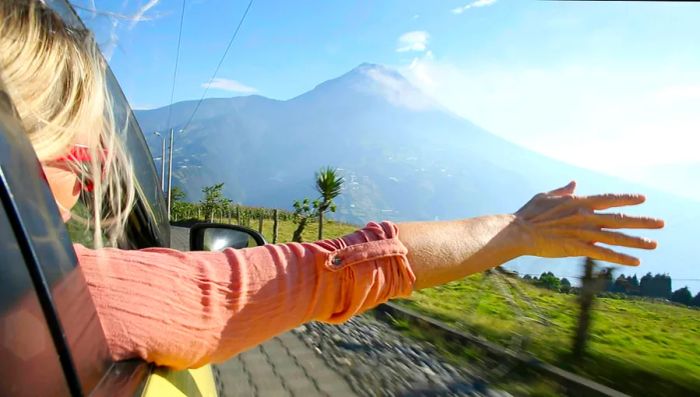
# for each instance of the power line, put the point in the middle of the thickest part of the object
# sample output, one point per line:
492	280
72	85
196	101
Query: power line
221	61
177	61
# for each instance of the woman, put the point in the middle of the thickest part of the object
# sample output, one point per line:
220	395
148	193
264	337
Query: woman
203	307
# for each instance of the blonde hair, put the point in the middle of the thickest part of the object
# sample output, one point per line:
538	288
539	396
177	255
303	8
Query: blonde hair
56	77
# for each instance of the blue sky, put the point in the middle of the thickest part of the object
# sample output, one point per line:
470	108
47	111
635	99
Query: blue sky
609	86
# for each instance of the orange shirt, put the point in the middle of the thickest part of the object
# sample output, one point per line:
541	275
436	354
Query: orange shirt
188	309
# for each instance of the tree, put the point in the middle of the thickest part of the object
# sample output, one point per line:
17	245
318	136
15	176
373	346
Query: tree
550	281
302	213
605	277
663	282
565	285
632	285
329	185
626	285
696	300
682	296
213	200
179	206
658	286
645	285
634	282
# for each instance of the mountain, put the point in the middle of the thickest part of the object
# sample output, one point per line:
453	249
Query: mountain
403	156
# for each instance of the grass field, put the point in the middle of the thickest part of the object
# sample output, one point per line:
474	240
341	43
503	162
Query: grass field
286	229
636	346
640	347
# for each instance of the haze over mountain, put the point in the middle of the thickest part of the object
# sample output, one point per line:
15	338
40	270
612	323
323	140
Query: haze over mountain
404	157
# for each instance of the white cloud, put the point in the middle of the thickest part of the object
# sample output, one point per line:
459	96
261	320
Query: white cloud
229	85
683	92
473	4
599	117
416	40
397	91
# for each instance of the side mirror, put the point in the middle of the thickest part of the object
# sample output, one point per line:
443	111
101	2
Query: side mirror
216	237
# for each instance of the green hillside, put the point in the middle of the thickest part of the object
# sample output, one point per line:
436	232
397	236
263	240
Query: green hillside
641	347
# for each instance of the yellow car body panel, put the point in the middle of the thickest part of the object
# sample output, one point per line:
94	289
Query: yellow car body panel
165	382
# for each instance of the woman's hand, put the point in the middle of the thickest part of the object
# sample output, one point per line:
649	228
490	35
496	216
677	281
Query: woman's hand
558	224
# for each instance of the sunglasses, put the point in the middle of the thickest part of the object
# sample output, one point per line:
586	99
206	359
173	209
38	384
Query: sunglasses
79	156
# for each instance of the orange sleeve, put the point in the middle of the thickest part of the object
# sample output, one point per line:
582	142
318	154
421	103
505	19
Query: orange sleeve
187	309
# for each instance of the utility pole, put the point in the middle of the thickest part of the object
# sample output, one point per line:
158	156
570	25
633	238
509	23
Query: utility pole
170	169
162	162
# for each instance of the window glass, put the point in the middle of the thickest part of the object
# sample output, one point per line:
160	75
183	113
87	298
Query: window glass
29	365
149	225
33	204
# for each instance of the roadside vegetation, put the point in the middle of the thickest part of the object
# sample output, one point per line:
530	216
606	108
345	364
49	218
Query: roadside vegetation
331	229
286	225
638	346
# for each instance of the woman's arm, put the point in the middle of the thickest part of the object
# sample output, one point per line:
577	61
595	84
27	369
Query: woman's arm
187	309
553	225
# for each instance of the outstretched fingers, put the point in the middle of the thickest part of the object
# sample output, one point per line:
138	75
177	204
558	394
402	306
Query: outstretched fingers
609	237
588	204
564	190
603	254
607	221
605	201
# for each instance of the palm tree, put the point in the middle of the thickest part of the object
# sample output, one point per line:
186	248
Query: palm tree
329	184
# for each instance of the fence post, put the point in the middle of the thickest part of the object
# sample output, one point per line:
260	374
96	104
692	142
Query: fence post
591	284
275	226
238	215
229	215
260	222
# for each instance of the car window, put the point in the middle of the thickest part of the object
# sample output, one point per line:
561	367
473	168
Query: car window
29	364
66	302
148	225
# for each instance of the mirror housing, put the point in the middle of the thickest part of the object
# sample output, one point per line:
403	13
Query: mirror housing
217	236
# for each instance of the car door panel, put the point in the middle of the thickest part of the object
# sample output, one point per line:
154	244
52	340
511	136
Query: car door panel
188	383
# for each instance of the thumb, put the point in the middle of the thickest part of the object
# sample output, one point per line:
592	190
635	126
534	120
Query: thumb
565	190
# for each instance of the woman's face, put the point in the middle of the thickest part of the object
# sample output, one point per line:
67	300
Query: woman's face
65	187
